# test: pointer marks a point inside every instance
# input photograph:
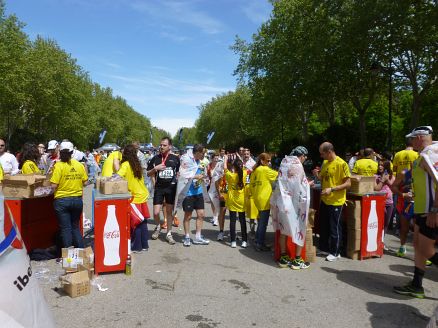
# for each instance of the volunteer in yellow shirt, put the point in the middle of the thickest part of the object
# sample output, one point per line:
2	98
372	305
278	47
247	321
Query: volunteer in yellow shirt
111	164
262	179
335	179
366	166
132	171
68	179
236	199
29	158
1	174
404	158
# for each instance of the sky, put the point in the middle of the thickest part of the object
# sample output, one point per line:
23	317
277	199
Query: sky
165	57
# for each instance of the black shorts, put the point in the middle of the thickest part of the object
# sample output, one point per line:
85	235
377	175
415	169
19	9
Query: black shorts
420	221
165	194
191	203
222	203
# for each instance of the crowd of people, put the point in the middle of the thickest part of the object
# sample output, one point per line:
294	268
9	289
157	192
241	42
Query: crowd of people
243	185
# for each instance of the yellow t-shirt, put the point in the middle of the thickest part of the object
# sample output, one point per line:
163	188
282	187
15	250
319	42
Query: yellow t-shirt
261	186
69	176
251	211
108	167
1	173
403	160
236	197
29	167
366	167
333	174
136	186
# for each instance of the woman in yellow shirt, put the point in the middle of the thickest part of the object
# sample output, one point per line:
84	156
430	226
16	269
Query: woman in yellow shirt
236	199
68	180
260	186
29	158
131	170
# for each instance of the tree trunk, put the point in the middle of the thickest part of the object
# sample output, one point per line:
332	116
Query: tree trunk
416	109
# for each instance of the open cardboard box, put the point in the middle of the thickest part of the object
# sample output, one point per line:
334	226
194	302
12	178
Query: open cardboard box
22	185
113	187
73	258
361	184
76	284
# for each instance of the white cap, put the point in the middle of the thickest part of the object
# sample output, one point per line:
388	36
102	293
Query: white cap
52	144
66	145
420	131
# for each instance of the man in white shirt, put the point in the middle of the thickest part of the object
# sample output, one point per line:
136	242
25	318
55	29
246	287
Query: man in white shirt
7	160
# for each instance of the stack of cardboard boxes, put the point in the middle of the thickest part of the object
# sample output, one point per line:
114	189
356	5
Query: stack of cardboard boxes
78	264
354	222
107	186
310	249
26	185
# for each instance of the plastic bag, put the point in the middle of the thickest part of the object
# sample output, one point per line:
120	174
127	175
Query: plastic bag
22	303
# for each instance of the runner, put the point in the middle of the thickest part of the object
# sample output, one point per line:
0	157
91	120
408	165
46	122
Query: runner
164	167
285	261
194	197
425	187
366	166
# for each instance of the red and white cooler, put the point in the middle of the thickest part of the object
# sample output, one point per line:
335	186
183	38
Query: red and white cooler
112	242
373	220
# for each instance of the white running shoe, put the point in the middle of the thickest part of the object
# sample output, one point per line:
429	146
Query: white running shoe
233	244
244	244
220	236
332	258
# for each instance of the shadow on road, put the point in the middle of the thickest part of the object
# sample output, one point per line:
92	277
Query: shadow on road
408	271
379	284
395	315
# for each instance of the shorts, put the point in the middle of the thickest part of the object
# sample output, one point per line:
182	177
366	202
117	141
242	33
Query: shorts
420	221
165	194
191	203
222	203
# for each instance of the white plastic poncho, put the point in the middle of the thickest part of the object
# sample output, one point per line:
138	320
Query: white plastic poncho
22	303
290	200
187	171
213	193
430	155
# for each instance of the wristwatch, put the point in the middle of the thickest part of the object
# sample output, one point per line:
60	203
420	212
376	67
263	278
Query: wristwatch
433	210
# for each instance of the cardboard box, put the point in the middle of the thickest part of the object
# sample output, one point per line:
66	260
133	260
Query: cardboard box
354	239
311	254
353	214
309	237
73	257
113	187
88	269
311	219
76	284
22	185
354	255
361	184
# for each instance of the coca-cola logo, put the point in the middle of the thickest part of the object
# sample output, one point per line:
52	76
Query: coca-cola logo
111	234
372	225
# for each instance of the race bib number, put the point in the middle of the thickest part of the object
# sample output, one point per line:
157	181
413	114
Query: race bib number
247	179
167	173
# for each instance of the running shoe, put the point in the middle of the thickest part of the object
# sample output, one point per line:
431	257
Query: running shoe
285	261
170	239
220	236
428	263
244	244
298	264
215	221
332	258
410	290
186	241
401	251
156	233
233	244
175	222
201	241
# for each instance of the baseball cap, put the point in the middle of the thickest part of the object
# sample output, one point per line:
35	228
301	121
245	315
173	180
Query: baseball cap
66	145
420	131
299	151
52	144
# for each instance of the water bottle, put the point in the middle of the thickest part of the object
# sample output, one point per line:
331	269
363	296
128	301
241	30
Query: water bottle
128	265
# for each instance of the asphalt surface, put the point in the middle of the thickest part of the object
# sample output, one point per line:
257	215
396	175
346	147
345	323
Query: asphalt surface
217	286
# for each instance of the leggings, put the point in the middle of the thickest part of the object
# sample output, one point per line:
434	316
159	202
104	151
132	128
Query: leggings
233	218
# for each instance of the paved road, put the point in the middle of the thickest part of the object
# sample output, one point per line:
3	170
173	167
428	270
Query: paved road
217	286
